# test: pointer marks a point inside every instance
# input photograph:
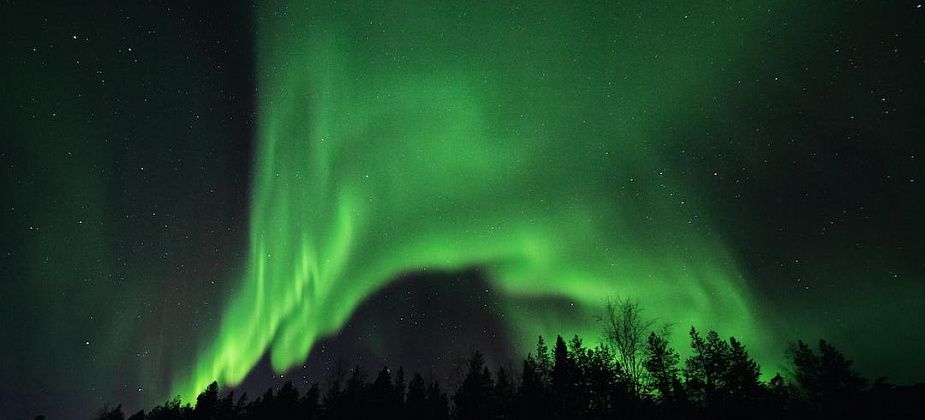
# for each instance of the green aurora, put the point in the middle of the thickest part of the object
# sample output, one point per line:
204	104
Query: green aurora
527	139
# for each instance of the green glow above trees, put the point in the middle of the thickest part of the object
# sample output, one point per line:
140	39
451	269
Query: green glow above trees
528	139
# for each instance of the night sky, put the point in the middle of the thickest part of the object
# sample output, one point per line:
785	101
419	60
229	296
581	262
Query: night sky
261	193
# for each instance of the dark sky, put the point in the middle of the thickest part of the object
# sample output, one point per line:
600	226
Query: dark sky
130	135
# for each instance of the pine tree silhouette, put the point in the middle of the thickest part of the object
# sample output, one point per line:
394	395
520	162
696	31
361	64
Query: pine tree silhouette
503	394
827	380
719	380
416	405
474	397
438	404
661	362
207	403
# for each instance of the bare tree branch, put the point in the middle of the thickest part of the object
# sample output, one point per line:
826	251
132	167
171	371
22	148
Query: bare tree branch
626	330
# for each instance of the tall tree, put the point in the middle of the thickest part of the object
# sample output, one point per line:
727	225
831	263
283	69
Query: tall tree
207	403
354	394
415	405
626	330
827	378
661	363
399	388
474	397
543	362
602	392
503	393
309	406
532	401
705	370
382	393
742	373
334	397
437	402
287	401
564	379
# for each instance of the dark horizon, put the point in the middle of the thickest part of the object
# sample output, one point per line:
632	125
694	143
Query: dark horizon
569	380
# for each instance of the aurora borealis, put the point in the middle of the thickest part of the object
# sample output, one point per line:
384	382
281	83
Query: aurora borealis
199	194
371	166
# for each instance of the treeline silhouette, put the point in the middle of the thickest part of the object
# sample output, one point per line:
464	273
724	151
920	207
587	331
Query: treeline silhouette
635	374
571	381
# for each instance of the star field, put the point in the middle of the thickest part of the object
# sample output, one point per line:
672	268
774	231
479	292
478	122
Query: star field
455	177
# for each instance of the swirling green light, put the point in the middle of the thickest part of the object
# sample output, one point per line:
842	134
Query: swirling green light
528	139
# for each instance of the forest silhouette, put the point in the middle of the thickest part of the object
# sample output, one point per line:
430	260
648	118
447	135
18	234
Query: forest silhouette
633	374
